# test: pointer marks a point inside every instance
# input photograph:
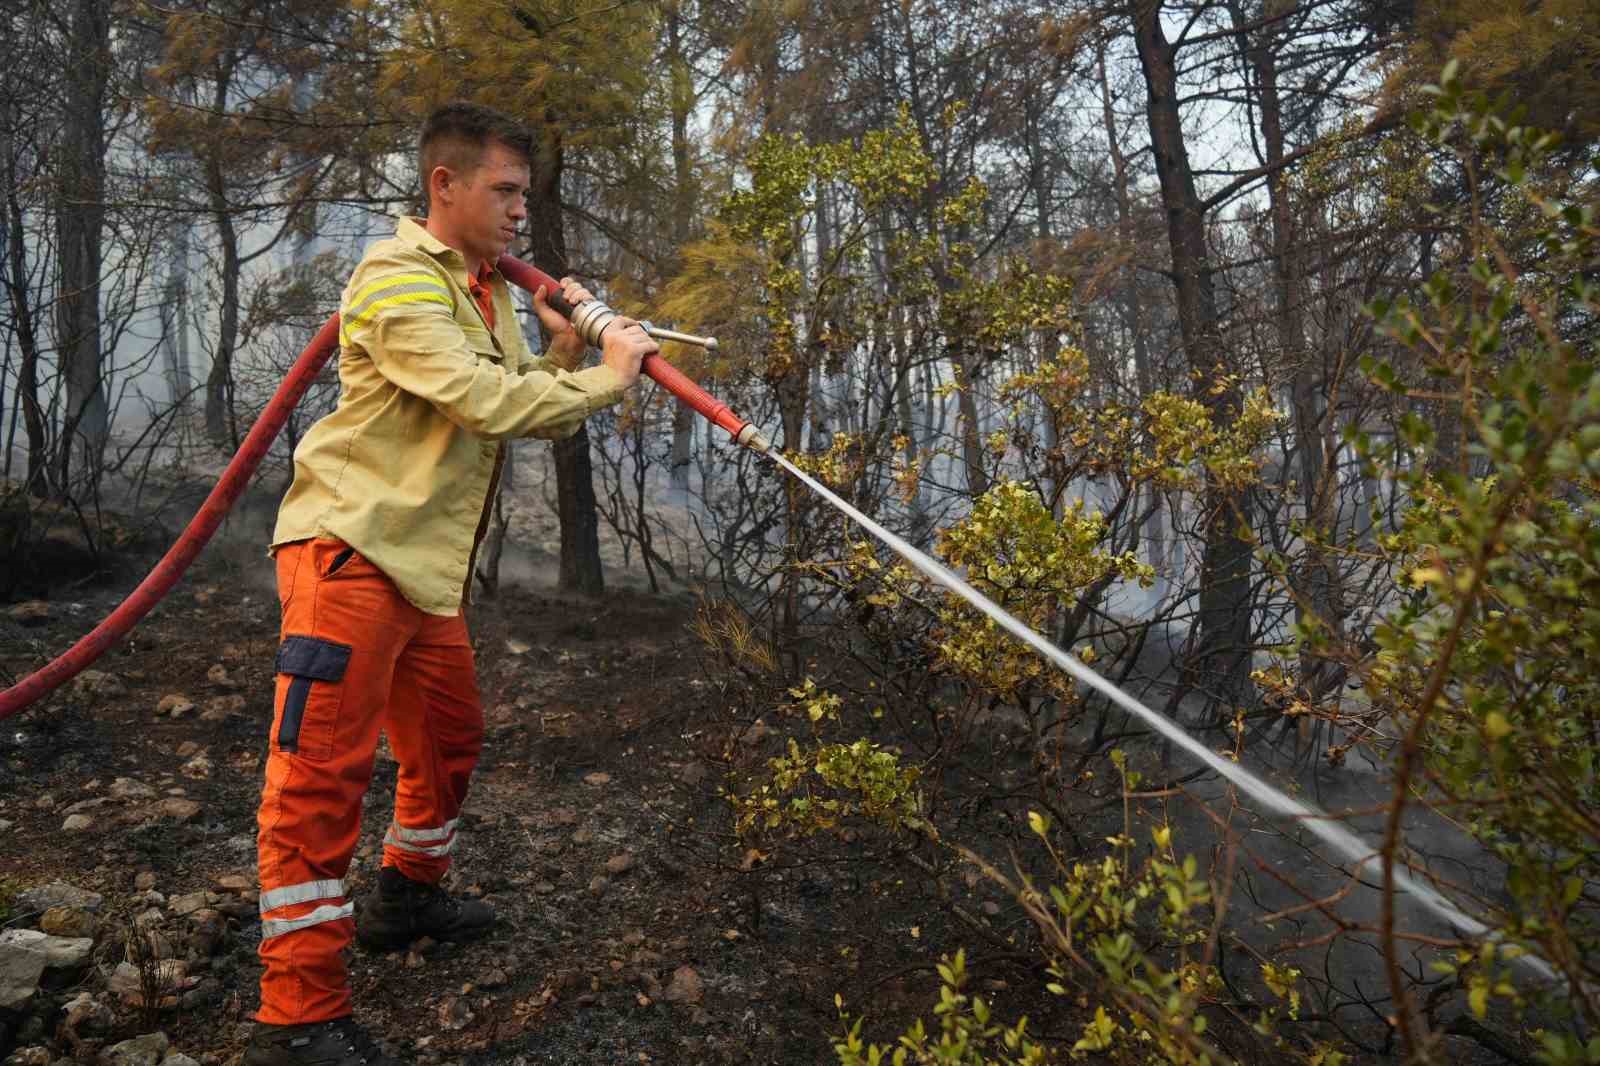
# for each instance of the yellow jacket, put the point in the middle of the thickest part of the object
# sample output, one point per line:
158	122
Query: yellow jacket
402	469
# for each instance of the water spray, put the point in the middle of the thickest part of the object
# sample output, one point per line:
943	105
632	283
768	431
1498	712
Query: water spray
1266	797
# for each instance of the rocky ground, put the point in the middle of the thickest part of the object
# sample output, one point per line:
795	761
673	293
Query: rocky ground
628	932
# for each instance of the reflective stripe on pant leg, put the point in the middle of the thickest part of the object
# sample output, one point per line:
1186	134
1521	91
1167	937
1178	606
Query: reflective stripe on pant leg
435	842
279	906
272	927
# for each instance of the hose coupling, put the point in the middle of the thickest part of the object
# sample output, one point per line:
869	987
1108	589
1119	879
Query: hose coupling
750	437
590	320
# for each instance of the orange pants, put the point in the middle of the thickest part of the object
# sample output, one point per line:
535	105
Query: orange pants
355	657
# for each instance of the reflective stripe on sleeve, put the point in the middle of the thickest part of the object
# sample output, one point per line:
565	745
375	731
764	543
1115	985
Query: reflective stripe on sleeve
395	285
272	927
391	291
305	892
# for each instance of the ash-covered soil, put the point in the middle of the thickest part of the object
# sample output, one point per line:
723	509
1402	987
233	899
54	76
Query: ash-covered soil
629	930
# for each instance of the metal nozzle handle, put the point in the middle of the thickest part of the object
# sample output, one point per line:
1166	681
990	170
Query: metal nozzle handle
591	318
660	334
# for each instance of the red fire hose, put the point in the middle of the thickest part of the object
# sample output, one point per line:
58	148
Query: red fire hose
170	569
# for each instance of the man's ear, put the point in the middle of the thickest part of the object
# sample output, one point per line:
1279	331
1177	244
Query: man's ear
441	181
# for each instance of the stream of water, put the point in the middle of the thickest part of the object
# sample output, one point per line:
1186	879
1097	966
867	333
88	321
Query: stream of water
1267	798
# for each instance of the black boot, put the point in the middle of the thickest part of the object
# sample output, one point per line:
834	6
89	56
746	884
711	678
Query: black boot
340	1042
401	910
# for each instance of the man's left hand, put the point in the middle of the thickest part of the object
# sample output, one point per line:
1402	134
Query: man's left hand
565	344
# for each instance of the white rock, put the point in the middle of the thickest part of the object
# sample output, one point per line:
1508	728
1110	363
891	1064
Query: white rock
57	894
171	977
193	901
175	704
86	1014
20	971
25	954
184	810
221	707
126	788
151	943
98	683
60	952
146	1050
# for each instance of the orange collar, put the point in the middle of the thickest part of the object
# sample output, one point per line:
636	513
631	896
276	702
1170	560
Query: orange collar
482	294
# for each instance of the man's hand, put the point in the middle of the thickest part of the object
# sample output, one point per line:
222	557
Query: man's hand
624	346
565	344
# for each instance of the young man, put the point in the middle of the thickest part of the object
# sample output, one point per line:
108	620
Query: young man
374	546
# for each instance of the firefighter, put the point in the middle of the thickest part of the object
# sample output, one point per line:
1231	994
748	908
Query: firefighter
374	548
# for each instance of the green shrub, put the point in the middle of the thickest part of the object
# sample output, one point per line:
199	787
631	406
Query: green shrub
1491	668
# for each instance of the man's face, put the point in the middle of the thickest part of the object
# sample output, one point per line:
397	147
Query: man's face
485	206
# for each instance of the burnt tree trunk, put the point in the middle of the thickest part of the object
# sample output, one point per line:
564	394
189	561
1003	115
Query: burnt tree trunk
580	569
80	212
222	427
22	313
1132	311
175	318
683	100
1221	661
1318	598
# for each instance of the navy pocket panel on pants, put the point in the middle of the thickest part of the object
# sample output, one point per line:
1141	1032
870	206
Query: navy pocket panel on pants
306	659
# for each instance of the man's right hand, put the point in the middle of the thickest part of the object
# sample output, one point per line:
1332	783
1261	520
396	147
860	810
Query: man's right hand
624	346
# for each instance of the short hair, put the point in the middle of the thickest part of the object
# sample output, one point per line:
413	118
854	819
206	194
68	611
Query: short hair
456	134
